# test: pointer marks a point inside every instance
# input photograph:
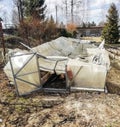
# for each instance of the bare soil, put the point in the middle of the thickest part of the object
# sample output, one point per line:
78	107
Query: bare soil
82	109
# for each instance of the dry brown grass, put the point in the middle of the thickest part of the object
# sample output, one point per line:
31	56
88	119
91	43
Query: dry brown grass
96	39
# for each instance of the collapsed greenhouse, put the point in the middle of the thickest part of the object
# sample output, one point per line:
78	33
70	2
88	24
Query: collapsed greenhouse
61	65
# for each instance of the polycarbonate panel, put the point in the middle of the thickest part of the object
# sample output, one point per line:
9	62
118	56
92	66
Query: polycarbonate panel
25	88
87	75
27	77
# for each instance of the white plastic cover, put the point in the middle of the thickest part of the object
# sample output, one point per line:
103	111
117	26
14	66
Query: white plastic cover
89	63
63	49
87	75
23	70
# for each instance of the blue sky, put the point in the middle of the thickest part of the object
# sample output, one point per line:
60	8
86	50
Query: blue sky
96	11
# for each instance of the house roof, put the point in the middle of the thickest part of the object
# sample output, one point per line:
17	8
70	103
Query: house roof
93	27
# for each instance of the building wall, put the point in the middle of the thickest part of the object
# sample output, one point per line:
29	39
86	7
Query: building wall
92	31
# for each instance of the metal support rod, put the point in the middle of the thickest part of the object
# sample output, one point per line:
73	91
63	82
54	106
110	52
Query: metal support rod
86	89
17	92
55	90
16	76
39	72
24	65
66	76
27	82
56	14
32	50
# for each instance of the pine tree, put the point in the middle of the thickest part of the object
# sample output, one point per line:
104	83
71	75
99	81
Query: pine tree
36	9
111	29
50	29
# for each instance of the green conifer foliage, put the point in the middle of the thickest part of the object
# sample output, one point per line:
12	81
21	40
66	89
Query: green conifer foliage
111	29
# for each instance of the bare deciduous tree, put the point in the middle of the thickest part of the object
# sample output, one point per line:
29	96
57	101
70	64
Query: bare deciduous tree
15	18
70	8
19	5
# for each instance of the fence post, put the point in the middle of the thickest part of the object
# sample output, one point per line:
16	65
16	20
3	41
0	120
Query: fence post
2	37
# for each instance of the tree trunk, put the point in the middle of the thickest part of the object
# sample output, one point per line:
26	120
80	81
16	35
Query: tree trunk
72	7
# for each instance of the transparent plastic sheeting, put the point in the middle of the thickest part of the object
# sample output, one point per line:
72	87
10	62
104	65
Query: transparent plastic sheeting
89	63
87	75
61	50
66	47
23	70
